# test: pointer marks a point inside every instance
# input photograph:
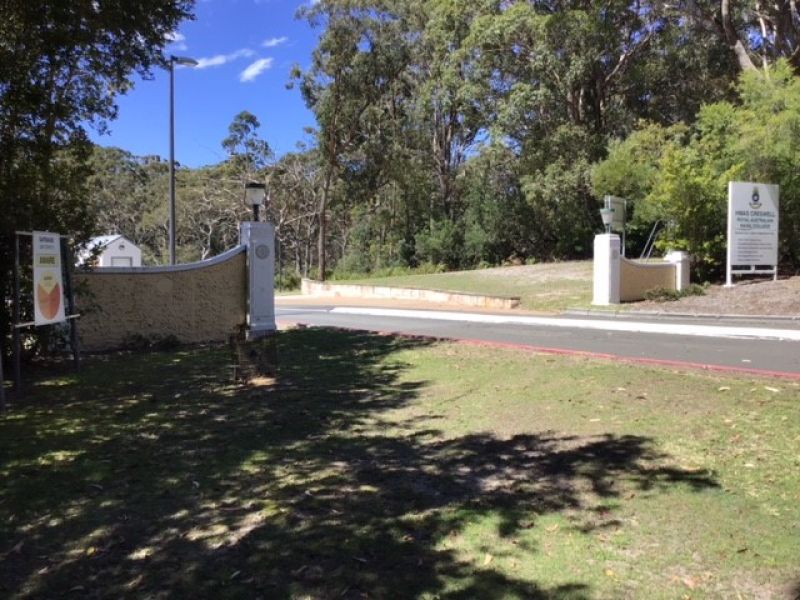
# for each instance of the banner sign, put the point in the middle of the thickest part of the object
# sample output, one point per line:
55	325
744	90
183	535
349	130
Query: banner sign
48	287
752	224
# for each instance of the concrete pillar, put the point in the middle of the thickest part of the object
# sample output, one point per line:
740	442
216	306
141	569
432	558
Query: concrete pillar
681	261
260	241
606	269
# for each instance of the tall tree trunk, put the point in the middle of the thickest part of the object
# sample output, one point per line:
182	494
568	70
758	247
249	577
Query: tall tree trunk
322	210
732	37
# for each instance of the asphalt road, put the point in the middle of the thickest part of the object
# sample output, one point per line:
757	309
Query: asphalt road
771	348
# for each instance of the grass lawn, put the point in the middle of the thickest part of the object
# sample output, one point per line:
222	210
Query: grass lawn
378	467
544	287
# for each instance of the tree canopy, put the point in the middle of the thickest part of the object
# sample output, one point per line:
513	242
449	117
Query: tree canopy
61	66
451	133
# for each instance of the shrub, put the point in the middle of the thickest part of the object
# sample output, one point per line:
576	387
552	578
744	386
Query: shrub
660	294
152	343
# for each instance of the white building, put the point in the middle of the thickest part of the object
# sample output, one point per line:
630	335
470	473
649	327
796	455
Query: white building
111	251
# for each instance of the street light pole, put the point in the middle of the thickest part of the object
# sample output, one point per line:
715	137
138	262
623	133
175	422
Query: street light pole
190	62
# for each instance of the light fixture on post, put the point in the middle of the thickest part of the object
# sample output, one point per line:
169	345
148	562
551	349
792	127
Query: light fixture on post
188	62
254	194
607	214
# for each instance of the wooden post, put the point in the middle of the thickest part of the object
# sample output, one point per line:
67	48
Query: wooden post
2	379
17	342
67	264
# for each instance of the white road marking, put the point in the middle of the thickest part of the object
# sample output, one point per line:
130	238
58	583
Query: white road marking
715	331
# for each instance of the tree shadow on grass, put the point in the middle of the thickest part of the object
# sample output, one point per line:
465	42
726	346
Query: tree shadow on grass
169	481
794	590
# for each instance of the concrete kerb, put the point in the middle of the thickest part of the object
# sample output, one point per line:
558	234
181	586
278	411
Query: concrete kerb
668	315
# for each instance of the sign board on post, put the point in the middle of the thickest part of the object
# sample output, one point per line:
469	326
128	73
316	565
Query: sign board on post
48	286
617	206
752	229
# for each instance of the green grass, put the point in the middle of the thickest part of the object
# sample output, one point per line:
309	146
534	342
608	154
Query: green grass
547	287
382	467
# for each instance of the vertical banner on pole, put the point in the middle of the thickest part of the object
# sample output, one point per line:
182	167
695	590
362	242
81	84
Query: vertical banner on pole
48	285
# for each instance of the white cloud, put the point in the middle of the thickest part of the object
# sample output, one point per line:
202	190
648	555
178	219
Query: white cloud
255	69
221	59
275	41
177	41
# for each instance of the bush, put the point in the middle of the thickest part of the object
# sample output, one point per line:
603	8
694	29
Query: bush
287	280
444	243
340	274
153	343
682	180
660	294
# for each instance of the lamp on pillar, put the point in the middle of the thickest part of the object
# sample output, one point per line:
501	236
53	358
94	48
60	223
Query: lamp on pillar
254	194
607	214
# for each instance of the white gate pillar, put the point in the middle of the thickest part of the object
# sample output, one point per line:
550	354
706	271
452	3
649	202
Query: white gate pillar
681	261
260	241
606	269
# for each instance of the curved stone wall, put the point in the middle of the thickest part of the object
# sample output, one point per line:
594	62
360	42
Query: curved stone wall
637	278
195	302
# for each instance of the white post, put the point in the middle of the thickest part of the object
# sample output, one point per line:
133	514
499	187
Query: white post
729	239
606	269
260	241
681	261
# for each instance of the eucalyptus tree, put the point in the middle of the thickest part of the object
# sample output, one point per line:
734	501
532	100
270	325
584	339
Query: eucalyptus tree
756	33
296	183
61	66
568	75
125	195
248	153
329	90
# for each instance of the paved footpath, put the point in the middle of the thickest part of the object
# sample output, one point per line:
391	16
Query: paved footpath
765	346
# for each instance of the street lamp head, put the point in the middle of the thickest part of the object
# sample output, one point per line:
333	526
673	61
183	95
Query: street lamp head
607	214
183	60
254	193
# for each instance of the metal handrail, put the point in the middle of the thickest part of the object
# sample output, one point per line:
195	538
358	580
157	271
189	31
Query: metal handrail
651	241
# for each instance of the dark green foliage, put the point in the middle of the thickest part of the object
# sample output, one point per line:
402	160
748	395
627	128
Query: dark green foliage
442	244
665	295
466	133
680	176
499	222
153	343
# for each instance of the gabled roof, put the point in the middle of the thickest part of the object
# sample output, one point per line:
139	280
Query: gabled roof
101	241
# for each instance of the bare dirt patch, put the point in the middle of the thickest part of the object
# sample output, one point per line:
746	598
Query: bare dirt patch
754	297
541	273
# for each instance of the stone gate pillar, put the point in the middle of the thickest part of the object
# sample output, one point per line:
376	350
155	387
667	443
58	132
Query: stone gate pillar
682	263
260	241
606	269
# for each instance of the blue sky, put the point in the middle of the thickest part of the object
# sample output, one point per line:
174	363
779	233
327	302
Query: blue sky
246	49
